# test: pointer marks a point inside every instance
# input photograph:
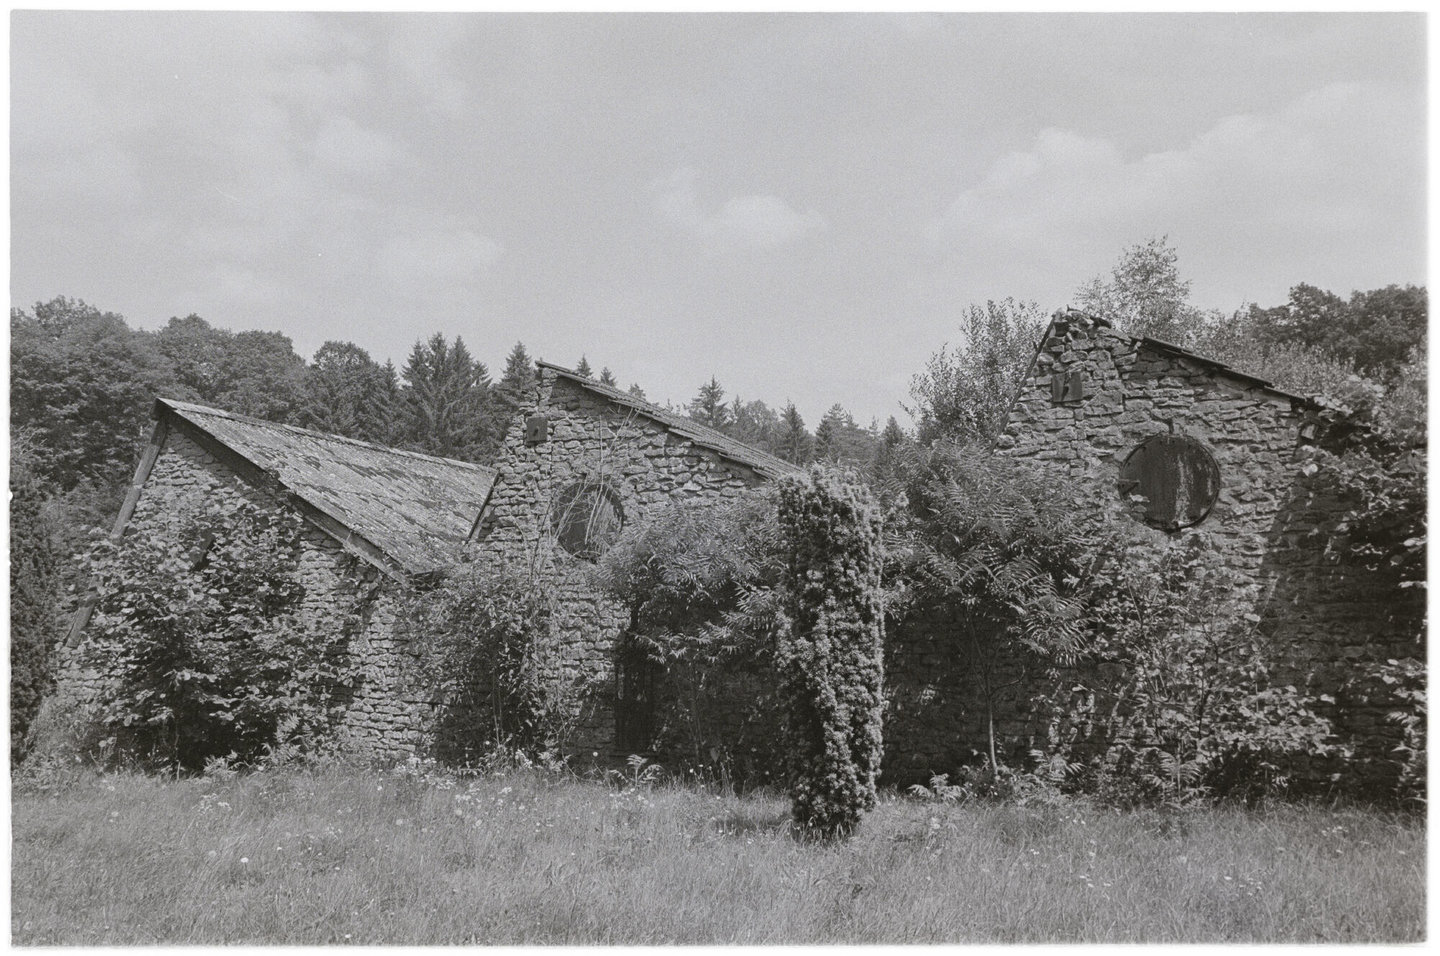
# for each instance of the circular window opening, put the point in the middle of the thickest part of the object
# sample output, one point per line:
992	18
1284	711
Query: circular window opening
587	518
1178	478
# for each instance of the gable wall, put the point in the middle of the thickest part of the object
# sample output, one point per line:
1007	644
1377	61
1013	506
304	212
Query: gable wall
1327	619
385	716
647	466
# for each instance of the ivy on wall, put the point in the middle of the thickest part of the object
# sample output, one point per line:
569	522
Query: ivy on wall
830	657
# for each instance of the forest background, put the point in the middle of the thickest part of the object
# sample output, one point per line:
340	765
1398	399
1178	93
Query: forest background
83	380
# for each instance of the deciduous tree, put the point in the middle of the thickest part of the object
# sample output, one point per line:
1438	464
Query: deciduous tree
1144	294
965	393
348	393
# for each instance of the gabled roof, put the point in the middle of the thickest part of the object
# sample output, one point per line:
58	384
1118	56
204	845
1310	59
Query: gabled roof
761	462
401	510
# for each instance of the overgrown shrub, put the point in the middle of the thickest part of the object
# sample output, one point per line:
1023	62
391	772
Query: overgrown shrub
482	637
199	632
1177	687
830	655
701	581
34	592
1147	657
1005	560
1406	680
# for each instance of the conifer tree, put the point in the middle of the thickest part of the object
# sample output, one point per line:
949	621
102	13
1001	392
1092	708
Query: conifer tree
887	458
637	391
606	378
519	376
838	439
516	386
446	401
830	655
795	443
584	368
708	407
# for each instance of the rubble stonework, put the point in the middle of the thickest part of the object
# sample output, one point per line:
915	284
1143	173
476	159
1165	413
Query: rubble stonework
1269	523
598	437
1328	619
202	456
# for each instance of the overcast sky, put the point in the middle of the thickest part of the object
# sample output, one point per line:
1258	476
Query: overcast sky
798	205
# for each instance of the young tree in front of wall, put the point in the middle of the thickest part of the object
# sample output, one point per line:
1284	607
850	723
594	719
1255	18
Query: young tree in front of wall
202	634
964	393
830	657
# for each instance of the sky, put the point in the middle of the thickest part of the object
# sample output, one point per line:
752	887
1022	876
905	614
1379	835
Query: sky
800	206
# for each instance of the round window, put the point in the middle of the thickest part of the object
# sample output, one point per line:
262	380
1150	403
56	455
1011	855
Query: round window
587	518
1178	478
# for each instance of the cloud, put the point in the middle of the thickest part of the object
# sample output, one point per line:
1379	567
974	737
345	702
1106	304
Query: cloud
1297	183
764	221
345	146
435	255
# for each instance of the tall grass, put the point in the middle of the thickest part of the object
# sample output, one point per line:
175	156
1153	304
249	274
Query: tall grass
355	856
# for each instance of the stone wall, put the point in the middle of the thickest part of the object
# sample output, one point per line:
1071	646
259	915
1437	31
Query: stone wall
1329	621
594	442
386	716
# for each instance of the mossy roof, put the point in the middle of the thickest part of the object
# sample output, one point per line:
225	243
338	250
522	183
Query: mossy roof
416	510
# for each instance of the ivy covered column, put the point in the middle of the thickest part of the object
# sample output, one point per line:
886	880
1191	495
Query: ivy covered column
830	656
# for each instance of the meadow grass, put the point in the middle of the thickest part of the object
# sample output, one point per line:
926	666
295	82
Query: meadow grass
343	855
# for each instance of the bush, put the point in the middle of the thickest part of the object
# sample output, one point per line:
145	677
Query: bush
701	580
830	654
34	592
199	633
1157	680
482	635
1177	676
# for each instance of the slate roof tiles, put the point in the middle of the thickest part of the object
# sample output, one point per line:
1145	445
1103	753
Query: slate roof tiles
416	509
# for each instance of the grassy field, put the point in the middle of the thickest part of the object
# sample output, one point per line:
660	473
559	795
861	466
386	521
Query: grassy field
355	856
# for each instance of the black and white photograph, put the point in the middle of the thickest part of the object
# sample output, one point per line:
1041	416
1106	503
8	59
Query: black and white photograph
735	478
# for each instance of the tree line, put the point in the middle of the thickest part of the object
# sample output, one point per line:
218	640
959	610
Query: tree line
82	381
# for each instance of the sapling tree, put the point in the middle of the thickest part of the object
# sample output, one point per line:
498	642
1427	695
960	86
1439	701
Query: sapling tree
830	656
200	632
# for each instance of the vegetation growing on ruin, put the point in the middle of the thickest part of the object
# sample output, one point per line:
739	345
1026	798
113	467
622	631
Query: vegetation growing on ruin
480	640
205	649
830	654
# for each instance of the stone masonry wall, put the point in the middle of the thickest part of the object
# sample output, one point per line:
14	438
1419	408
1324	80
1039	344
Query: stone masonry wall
646	466
1328	619
386	716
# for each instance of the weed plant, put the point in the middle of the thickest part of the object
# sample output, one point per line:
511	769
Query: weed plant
335	854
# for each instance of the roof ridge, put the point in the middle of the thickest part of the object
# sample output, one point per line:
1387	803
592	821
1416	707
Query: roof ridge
707	436
178	405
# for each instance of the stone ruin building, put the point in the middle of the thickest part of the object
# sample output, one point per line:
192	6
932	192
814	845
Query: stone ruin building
1218	456
583	460
1215	452
377	522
